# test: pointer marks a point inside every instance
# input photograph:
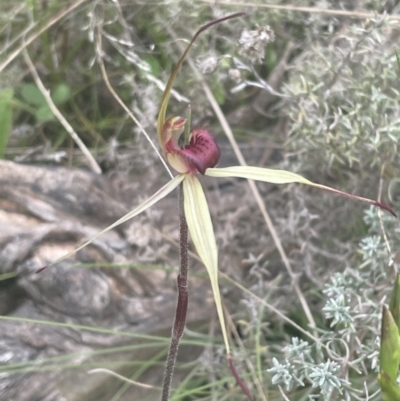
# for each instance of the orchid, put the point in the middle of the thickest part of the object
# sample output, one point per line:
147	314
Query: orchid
199	154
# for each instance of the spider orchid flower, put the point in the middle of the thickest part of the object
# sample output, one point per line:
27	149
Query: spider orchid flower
200	156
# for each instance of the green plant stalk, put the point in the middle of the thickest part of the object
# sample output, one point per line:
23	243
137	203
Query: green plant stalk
394	304
389	355
6	96
390	389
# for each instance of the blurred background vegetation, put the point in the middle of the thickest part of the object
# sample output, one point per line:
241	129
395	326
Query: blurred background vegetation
321	100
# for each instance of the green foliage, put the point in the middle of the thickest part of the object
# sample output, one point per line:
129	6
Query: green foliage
61	94
6	96
389	355
390	389
42	112
32	94
394	305
352	316
343	101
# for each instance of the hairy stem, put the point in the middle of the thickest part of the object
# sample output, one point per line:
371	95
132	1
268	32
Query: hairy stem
182	303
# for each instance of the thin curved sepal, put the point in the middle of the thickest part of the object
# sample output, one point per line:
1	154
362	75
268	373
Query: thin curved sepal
160	194
167	90
284	177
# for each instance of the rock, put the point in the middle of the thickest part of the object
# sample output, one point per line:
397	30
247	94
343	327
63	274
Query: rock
85	312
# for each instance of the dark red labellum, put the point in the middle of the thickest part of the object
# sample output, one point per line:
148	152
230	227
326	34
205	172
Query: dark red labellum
202	150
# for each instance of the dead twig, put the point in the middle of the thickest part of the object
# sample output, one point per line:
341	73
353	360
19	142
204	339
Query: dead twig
46	94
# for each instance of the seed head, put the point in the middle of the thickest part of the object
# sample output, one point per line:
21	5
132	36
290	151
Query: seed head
252	43
208	65
235	75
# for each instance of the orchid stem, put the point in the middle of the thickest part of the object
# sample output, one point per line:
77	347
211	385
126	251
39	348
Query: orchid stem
182	303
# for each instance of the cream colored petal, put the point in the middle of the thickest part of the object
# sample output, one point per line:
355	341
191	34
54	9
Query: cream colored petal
202	234
283	177
258	174
160	194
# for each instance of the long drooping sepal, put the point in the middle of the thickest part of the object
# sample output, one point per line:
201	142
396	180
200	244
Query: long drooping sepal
160	194
167	91
283	177
202	234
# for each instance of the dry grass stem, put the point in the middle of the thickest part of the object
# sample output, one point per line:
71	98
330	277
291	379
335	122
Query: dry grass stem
135	383
283	394
314	10
46	94
99	51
